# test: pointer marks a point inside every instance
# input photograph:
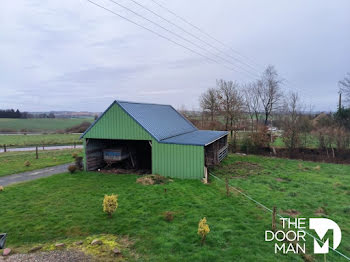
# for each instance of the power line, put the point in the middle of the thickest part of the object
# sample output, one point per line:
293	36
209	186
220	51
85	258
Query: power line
218	41
203	32
181	37
191	34
169	39
154	32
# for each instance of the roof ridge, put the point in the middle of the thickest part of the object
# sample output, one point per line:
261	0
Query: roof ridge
178	135
142	103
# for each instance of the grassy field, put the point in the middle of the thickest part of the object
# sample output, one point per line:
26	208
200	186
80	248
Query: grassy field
70	207
34	140
13	162
311	142
39	124
307	188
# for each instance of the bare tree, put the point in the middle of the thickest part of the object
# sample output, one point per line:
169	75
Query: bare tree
230	100
270	92
345	87
292	121
209	102
231	103
252	102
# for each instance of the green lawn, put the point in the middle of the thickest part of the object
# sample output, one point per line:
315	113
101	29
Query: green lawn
70	206
306	187
13	162
42	139
39	124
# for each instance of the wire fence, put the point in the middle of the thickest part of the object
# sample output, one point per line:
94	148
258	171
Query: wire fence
271	211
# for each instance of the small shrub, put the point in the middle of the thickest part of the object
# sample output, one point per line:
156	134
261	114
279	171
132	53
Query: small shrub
74	155
1	188
27	163
203	229
72	169
317	168
79	162
110	204
169	216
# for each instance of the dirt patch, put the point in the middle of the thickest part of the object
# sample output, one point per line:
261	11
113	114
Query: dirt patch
320	211
153	180
242	169
279	179
291	212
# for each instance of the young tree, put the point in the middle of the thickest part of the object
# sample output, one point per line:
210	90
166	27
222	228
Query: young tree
270	93
209	102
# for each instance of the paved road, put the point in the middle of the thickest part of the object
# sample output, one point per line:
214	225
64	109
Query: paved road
31	175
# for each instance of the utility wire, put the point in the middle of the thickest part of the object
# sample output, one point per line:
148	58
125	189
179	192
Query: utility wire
268	209
181	37
256	69
193	35
158	34
203	32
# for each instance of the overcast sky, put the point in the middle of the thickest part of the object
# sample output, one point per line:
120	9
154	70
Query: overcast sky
72	55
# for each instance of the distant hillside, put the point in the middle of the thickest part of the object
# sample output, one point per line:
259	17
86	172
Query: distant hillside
39	124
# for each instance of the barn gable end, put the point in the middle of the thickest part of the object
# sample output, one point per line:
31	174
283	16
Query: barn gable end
116	123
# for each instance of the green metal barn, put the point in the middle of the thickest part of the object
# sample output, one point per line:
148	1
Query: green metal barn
156	137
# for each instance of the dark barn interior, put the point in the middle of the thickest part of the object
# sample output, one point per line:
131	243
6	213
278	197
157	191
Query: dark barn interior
139	154
216	151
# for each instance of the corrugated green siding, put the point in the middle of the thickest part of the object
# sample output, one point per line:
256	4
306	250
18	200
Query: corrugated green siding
178	161
116	124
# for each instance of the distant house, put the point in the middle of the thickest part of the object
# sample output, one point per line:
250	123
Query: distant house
158	137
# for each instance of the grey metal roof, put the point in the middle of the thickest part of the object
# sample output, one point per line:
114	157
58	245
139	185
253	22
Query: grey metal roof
161	121
198	138
165	124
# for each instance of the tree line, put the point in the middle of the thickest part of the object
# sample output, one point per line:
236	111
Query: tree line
264	103
11	113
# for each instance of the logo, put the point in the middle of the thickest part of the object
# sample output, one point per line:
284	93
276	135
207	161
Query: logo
321	226
292	238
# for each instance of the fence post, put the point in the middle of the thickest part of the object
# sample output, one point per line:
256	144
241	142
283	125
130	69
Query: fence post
36	152
43	147
4	148
227	187
274	219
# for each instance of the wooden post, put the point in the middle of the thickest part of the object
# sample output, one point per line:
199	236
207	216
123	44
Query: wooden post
43	147
4	148
36	152
274	219
227	187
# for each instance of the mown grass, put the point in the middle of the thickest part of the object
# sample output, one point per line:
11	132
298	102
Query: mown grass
39	140
39	124
13	162
306	187
70	206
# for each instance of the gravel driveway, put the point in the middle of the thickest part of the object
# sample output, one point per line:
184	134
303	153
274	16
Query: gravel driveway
53	256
